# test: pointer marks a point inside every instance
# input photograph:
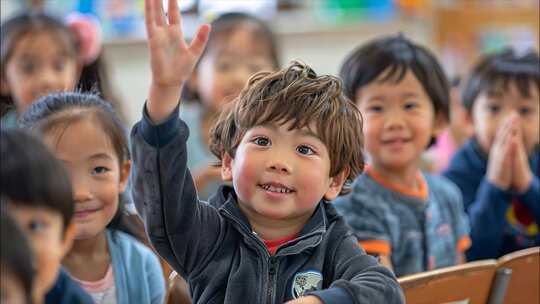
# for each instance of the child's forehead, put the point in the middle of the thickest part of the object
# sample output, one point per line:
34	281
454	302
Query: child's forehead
288	127
33	43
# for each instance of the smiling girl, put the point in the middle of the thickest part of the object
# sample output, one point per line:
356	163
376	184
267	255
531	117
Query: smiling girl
84	132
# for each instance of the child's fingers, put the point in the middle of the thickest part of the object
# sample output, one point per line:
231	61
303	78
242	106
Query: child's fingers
173	12
159	15
506	130
149	16
199	41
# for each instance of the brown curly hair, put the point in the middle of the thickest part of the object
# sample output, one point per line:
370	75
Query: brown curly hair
298	95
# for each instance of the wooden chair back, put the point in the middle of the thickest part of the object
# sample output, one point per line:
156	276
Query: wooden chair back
465	283
524	285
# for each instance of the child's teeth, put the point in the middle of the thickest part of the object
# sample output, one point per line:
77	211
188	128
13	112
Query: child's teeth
276	189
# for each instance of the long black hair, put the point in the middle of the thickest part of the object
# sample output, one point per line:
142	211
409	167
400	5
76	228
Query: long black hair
62	110
22	24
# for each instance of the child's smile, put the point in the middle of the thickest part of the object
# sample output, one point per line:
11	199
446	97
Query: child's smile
399	121
84	211
95	174
276	190
279	173
396	143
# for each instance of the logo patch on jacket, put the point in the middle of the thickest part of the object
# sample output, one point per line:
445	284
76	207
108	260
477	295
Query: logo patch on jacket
306	281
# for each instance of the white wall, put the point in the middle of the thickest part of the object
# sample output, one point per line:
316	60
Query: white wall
322	48
301	36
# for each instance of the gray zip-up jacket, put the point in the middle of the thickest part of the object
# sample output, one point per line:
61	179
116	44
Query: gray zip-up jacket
216	250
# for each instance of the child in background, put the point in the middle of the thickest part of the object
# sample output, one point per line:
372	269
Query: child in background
38	56
497	170
41	55
84	132
239	46
454	136
274	238
16	262
412	220
35	188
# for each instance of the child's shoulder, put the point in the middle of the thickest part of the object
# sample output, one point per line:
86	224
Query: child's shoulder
128	245
440	184
443	192
367	197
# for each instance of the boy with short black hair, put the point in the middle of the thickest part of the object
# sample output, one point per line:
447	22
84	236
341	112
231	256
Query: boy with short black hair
497	170
288	144
412	220
36	190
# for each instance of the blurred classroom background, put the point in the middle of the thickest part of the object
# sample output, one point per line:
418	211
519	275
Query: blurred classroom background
319	32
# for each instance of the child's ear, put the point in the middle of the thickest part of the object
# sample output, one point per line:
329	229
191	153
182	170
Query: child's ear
192	82
226	167
336	184
4	87
69	236
124	175
440	123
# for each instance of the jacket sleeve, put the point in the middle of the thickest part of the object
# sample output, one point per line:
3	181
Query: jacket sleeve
183	230
359	278
487	219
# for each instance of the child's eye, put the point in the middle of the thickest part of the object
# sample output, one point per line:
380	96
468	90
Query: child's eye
305	150
28	67
36	225
59	65
375	108
261	141
223	66
494	109
410	105
524	111
100	170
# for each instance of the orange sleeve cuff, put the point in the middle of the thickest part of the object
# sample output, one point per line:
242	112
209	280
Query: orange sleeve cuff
464	243
376	247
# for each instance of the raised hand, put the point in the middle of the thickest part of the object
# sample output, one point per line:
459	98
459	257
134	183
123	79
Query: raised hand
172	60
521	171
499	170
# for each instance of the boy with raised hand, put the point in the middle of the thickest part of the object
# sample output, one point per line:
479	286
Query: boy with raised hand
288	144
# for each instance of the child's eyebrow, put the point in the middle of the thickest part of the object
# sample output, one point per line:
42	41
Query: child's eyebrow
409	94
376	98
494	93
309	133
102	155
27	56
302	132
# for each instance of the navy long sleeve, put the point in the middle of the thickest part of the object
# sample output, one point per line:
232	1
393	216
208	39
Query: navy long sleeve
501	221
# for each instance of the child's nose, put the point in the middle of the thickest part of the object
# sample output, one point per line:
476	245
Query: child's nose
49	80
394	121
280	167
81	190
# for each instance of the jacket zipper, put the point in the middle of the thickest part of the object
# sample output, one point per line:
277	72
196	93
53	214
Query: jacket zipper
270	290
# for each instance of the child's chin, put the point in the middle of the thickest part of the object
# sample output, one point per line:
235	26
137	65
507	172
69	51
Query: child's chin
84	234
